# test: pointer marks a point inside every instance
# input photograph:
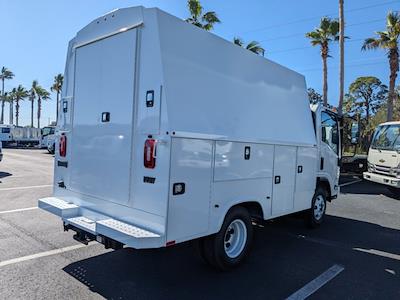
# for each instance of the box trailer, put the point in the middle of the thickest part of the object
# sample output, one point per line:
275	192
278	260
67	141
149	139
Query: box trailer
168	133
10	134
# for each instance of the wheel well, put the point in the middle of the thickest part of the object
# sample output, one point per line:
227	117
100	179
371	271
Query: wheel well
324	183
254	209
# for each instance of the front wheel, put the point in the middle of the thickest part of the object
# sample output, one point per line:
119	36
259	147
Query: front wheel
228	248
315	216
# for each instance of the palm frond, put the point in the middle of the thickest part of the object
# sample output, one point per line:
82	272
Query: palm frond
195	8
238	41
370	44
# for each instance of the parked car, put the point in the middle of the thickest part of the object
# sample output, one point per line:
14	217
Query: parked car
200	139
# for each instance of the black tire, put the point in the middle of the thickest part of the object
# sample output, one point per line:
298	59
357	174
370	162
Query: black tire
212	248
314	216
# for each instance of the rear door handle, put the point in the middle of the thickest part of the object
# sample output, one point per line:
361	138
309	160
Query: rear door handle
277	179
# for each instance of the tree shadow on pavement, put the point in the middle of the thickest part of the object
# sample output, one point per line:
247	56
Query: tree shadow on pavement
285	257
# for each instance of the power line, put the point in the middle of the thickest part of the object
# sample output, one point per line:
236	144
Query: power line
318	17
303	35
309	47
346	66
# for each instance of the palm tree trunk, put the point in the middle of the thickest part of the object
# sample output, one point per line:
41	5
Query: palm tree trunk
2	102
32	102
39	111
16	111
11	121
341	63
325	75
58	105
394	67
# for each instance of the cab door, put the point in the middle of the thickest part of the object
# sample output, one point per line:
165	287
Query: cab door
329	149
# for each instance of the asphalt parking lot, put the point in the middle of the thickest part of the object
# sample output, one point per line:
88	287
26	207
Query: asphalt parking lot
360	240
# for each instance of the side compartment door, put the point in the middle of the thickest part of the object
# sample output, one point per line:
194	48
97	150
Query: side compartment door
307	158
188	211
284	179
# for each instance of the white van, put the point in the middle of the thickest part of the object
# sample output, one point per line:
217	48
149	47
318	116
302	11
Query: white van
384	156
168	133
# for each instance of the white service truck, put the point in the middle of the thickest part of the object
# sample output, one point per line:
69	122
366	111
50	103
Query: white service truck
47	134
384	156
168	133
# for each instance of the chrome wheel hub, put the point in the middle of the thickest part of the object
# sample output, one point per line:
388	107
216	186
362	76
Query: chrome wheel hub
319	207
235	238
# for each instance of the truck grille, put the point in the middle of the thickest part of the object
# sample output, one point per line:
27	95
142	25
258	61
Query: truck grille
383	170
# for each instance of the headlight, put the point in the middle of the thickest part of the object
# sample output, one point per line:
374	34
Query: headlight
371	167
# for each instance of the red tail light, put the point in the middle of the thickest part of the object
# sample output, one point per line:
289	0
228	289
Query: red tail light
150	154
63	145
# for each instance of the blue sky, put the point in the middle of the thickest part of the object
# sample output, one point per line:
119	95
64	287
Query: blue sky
35	34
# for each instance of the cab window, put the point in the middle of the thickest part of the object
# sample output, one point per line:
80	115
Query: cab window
330	134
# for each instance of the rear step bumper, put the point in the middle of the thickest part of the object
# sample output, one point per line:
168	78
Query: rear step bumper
104	226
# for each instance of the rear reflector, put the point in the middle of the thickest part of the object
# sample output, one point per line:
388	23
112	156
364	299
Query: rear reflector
63	145
150	154
170	243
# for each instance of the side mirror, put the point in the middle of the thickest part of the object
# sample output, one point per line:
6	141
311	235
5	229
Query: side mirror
355	133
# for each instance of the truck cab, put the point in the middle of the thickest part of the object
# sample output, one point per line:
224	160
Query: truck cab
46	132
329	147
384	156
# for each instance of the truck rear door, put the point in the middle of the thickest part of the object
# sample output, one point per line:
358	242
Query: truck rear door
103	110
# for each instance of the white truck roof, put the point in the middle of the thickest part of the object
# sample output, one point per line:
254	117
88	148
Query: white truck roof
213	88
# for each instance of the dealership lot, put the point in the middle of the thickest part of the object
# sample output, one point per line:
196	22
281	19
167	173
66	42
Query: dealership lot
355	254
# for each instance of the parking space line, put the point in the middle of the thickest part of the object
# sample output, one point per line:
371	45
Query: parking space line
18	210
379	253
25	187
314	285
42	254
351	182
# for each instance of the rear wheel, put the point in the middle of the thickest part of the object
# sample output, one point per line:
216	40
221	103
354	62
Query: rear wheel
315	216
228	248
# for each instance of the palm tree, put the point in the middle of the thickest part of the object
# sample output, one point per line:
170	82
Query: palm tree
200	19
32	96
388	40
18	94
42	94
57	87
326	32
253	46
4	74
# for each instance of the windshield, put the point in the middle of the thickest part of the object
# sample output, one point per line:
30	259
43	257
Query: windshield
47	131
387	137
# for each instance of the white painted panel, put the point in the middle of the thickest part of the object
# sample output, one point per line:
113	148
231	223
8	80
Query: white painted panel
188	214
230	163
226	194
284	166
307	158
101	151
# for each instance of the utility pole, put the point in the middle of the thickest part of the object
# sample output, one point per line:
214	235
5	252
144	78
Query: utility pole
341	49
